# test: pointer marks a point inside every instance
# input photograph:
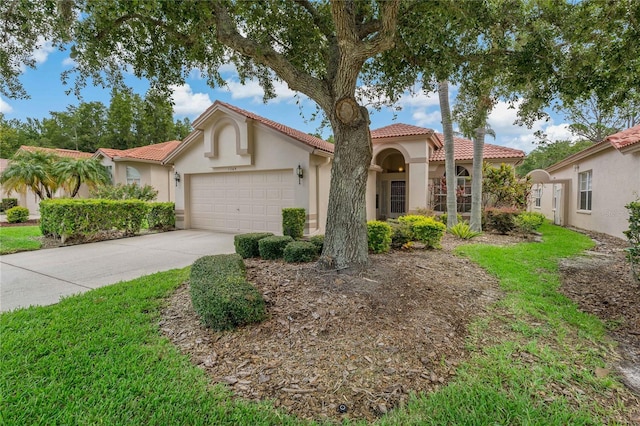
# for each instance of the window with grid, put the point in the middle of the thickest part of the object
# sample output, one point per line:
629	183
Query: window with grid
584	191
537	196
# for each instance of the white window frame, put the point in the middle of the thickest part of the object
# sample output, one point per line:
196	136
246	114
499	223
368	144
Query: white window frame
585	190
133	176
537	196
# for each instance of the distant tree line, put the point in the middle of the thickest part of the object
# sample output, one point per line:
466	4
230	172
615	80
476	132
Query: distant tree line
129	121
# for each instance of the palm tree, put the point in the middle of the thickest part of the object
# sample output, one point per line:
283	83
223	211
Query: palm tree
449	159
31	170
476	183
73	172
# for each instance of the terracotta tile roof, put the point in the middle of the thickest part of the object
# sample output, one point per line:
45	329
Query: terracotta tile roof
155	152
463	150
291	132
71	153
625	138
398	130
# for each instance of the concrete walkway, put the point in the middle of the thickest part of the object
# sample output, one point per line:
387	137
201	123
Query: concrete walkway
42	277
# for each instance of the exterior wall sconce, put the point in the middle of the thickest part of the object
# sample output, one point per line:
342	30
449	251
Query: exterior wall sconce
300	174
176	177
400	169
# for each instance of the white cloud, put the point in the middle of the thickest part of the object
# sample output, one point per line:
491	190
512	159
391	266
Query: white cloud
419	100
69	62
188	103
41	54
252	90
427	119
5	107
502	120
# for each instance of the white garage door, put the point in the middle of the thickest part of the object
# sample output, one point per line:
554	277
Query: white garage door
241	202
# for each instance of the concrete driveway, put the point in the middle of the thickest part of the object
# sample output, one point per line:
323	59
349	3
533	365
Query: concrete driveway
41	277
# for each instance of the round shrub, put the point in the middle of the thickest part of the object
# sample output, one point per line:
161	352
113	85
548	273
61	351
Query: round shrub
318	241
501	219
17	214
247	244
528	222
221	295
300	251
429	231
273	247
401	233
379	236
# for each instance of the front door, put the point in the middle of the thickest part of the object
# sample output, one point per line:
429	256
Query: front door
397	199
557	204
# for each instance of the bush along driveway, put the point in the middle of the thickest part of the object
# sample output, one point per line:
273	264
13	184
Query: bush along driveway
101	357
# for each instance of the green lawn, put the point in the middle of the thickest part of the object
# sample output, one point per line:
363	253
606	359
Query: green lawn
19	238
100	358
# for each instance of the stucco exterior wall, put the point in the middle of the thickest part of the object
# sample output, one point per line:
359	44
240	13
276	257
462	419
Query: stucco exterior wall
242	145
615	183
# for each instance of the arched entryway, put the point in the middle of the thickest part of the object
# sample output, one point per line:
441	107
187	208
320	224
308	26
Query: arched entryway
392	191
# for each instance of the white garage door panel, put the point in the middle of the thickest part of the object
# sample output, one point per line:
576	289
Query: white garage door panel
241	202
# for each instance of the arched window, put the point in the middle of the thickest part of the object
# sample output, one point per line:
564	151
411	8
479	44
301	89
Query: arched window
133	176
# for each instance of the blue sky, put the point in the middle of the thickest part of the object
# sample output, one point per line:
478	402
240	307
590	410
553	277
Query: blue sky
48	94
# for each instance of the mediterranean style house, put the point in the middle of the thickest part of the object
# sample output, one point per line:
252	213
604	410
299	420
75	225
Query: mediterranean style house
142	166
236	171
589	190
28	198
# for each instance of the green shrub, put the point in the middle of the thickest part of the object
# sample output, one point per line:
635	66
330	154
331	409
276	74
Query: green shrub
633	235
17	214
300	251
529	222
247	244
401	233
429	231
66	218
501	219
273	247
8	203
130	191
162	216
293	220
221	295
463	231
410	219
379	236
318	241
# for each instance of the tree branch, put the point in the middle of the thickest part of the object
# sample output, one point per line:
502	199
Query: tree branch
299	81
327	30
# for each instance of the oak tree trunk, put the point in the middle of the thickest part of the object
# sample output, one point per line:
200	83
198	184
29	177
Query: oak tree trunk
345	243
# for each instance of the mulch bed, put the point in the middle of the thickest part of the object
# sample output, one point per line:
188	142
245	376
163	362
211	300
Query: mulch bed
30	222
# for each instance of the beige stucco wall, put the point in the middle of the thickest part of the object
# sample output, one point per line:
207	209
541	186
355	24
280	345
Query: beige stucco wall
246	146
615	183
156	175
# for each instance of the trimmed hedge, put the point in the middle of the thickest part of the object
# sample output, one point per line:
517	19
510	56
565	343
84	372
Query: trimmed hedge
293	220
318	241
379	236
161	216
247	244
273	247
66	218
17	214
8	203
300	251
221	295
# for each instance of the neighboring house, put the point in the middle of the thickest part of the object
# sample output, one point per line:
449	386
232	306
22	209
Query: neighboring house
142	166
589	189
27	198
238	170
